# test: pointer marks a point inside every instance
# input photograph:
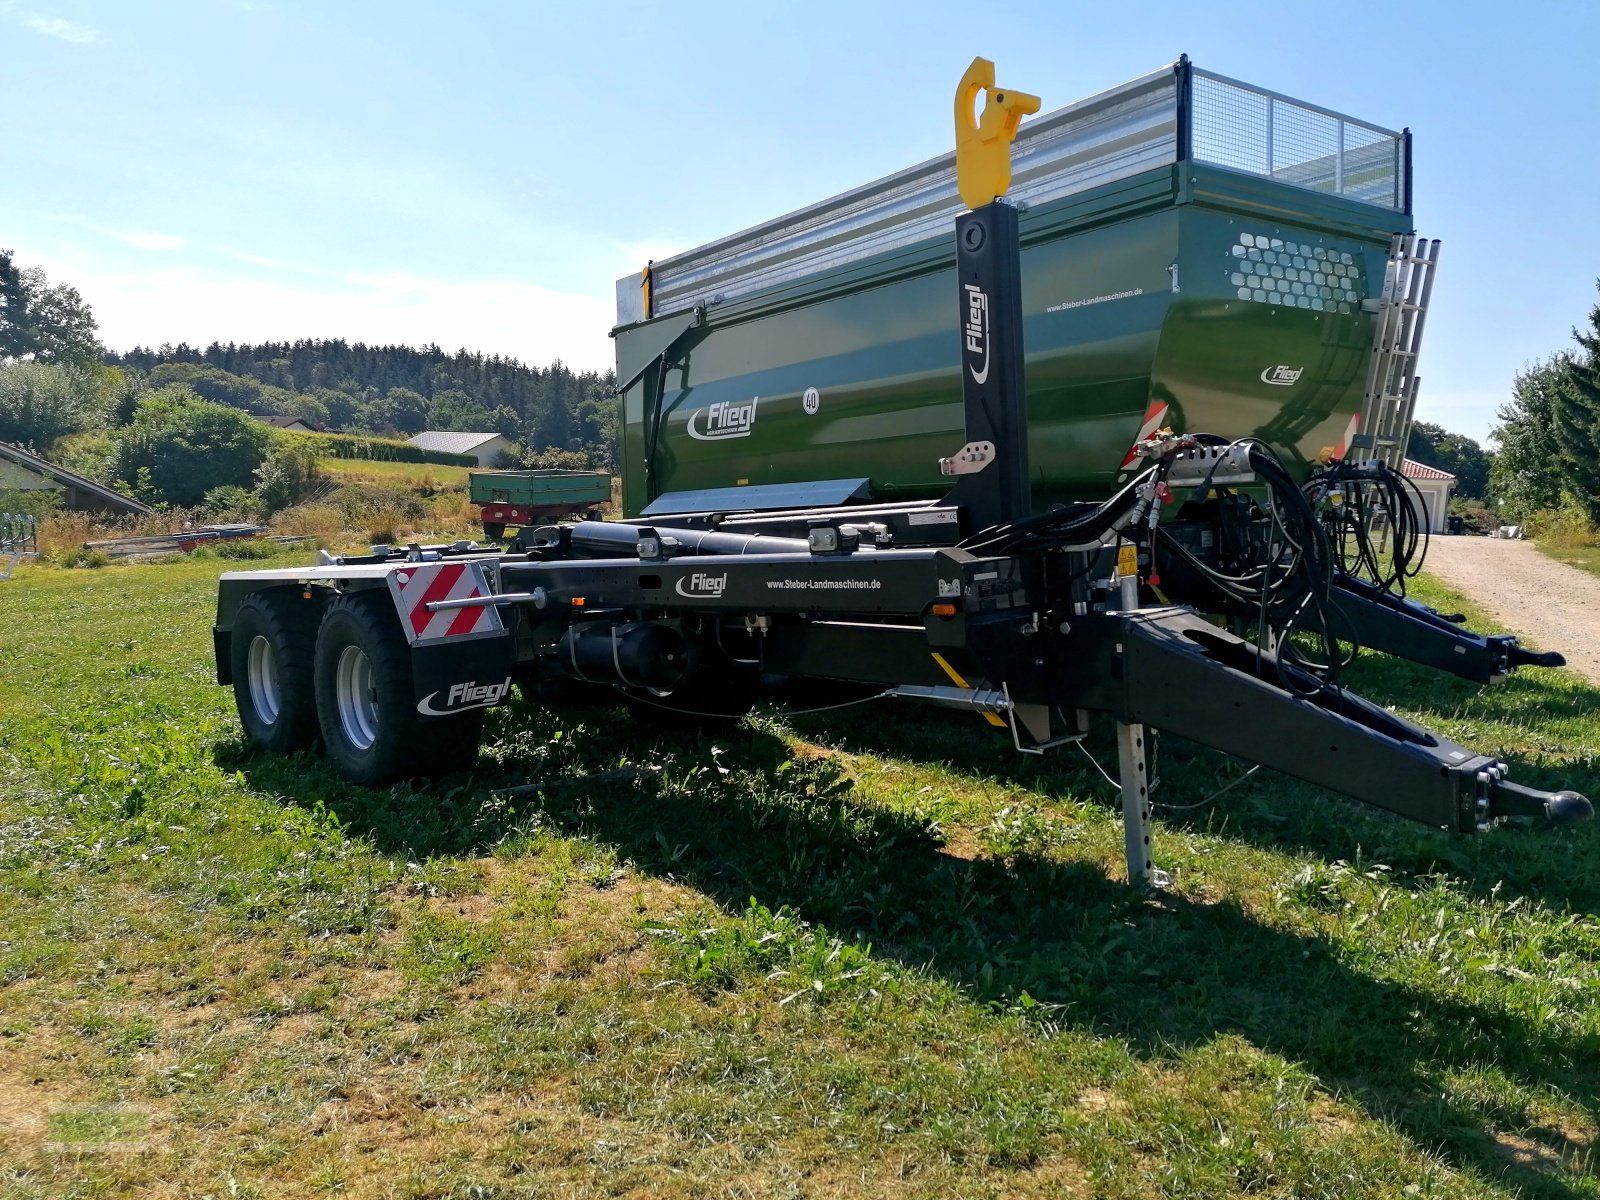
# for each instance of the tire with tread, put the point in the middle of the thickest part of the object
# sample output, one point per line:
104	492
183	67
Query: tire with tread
405	744
287	628
493	530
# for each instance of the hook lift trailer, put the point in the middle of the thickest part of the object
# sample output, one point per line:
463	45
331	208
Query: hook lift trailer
1213	595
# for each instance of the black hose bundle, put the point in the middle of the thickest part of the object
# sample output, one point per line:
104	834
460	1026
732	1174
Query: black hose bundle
1071	525
1373	494
1290	585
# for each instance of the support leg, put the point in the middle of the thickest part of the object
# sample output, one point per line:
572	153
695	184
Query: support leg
1133	767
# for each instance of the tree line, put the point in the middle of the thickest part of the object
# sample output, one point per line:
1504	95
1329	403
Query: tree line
387	391
397	391
1549	433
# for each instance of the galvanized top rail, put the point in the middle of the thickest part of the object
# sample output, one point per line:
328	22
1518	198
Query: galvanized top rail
1169	115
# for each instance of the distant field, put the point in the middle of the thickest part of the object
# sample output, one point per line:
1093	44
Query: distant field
395	474
855	954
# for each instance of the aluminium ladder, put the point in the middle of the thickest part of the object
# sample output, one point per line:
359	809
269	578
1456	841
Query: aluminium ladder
1392	381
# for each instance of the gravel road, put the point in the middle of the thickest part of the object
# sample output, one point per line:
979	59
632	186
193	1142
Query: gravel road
1550	605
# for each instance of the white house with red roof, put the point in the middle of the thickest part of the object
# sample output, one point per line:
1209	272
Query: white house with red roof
1435	486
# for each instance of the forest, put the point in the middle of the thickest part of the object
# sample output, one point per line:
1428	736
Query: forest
396	391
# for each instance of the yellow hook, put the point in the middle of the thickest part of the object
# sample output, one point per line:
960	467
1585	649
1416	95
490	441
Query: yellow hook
983	144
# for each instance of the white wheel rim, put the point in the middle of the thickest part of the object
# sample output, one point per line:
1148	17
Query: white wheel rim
358	700
262	673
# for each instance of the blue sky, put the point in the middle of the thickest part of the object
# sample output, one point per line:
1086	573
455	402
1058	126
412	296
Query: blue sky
480	173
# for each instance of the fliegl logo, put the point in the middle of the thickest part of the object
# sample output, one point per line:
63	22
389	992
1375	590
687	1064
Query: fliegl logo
724	419
976	331
699	586
1282	376
463	696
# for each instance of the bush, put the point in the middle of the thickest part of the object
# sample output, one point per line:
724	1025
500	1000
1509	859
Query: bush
290	476
180	447
246	549
552	459
92	455
1564	528
1478	519
34	502
230	500
83	557
40	403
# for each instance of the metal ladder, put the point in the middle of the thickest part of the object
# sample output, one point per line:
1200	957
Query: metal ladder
1392	382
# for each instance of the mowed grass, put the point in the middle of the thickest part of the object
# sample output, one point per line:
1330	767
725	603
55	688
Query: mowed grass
415	476
862	953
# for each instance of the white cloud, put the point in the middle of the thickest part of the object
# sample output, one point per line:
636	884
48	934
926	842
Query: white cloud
199	305
56	27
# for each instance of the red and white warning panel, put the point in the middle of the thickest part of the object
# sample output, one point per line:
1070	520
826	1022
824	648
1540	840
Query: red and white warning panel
1153	418
414	587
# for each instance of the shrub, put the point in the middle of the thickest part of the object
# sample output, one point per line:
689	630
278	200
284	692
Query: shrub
34	502
289	476
86	558
40	403
179	447
246	549
1565	528
230	500
62	533
552	459
1478	518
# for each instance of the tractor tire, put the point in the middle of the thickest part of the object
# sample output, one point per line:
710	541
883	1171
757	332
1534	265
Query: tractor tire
271	652
493	530
371	729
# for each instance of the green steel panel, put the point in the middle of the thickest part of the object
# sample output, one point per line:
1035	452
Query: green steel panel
1232	299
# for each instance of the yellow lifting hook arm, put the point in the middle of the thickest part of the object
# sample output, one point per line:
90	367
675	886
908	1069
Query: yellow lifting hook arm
983	144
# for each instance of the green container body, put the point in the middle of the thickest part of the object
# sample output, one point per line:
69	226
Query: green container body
541	489
1235	301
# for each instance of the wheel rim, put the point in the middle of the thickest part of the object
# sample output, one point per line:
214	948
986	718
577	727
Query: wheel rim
358	701
262	672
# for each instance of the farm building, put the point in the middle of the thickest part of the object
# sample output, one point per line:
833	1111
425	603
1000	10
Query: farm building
292	424
485	447
1435	486
24	472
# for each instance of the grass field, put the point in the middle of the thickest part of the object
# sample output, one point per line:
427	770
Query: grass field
431	476
865	953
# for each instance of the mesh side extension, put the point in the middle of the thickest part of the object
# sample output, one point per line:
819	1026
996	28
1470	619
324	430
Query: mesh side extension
1259	132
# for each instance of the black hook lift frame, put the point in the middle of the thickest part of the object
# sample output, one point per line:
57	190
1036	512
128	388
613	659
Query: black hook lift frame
1046	628
1028	619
